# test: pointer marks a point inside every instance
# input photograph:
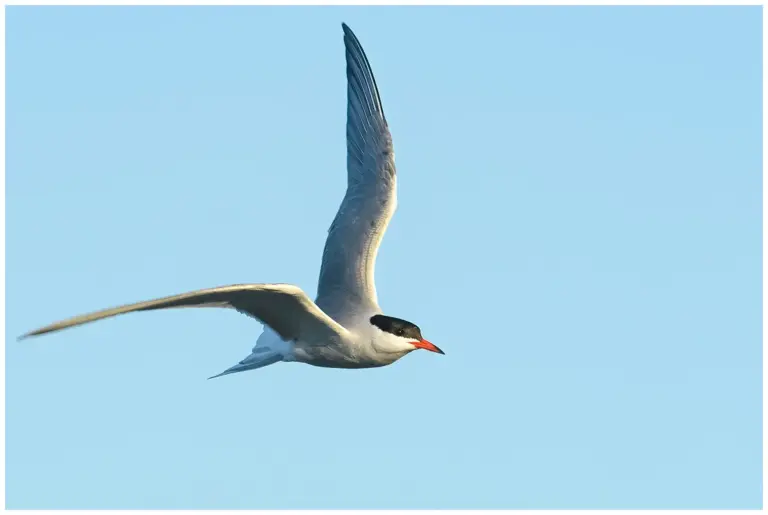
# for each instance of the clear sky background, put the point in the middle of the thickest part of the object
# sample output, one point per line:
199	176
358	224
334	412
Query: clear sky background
579	228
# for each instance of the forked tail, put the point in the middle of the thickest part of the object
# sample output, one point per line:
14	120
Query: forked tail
255	360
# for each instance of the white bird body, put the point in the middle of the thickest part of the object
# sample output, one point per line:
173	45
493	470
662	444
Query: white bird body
344	327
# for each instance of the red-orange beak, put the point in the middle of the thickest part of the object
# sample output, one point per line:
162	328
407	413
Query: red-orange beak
424	344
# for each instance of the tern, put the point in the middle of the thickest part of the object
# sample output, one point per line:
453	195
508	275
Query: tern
344	327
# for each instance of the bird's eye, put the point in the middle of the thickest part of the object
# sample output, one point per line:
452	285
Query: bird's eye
400	332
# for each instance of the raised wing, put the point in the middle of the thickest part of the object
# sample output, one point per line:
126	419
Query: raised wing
283	307
346	283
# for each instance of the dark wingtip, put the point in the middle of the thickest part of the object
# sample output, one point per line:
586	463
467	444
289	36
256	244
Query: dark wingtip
354	47
36	332
349	32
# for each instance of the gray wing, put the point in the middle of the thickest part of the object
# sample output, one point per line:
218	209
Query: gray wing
283	307
346	282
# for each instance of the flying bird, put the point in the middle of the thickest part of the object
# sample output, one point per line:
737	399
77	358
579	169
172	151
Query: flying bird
344	327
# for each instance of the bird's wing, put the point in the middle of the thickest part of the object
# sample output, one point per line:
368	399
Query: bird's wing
283	307
346	278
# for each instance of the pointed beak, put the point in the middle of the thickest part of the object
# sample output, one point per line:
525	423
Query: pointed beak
424	344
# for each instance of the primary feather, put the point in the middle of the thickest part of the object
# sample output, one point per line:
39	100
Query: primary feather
346	285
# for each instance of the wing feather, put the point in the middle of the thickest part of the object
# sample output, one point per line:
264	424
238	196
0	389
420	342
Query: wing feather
283	307
346	283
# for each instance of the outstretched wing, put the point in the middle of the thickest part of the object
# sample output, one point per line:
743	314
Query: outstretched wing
346	283
283	307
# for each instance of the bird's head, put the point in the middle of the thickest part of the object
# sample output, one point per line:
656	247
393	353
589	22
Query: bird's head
401	334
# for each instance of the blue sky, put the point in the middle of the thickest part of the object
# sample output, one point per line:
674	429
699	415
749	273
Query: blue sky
579	228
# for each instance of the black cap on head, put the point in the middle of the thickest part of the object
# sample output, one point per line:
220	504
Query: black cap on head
397	326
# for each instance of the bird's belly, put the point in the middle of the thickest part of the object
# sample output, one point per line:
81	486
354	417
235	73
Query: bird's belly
331	356
343	364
